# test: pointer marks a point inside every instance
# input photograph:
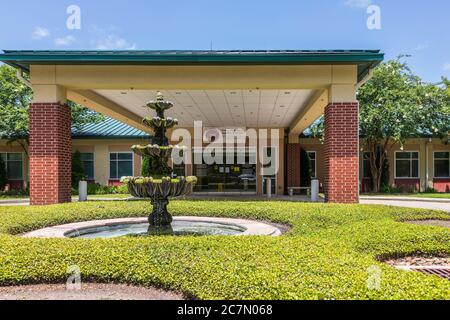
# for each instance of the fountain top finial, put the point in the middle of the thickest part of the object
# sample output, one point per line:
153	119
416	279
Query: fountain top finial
159	105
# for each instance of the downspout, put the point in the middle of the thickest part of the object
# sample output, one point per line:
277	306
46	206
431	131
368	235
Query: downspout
20	76
427	173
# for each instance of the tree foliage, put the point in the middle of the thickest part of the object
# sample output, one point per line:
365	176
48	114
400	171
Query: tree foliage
78	173
145	167
305	169
15	98
396	105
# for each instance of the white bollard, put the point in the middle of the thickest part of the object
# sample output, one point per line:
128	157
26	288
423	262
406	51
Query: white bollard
82	191
269	188
315	190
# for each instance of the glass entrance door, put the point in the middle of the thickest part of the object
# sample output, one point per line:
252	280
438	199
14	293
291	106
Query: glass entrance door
223	178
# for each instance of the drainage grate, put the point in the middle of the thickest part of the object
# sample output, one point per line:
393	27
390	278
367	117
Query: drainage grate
441	272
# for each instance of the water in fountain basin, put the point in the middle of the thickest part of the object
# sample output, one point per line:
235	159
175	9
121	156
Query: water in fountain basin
179	228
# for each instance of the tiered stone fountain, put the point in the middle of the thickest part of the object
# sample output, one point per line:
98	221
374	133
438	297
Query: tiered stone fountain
160	186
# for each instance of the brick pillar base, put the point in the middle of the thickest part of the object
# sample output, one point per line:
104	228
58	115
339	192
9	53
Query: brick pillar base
50	153
341	153
293	165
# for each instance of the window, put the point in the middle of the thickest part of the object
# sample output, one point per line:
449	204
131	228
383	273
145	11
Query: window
367	173
313	163
179	170
14	165
407	165
88	165
120	165
442	164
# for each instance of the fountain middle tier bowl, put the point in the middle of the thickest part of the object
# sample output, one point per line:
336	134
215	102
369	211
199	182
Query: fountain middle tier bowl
148	187
155	150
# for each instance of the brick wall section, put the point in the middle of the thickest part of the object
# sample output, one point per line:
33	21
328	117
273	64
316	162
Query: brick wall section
293	165
341	153
50	153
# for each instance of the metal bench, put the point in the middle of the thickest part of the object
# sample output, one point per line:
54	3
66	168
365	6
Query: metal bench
292	189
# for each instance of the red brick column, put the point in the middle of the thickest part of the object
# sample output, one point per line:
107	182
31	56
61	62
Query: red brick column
341	153
293	165
50	153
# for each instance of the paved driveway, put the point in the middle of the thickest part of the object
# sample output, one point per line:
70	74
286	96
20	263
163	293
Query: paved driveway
438	205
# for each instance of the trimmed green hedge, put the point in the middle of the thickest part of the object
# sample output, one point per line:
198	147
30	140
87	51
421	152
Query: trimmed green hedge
326	254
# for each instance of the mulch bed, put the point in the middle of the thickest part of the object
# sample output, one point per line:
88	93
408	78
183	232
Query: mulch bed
89	291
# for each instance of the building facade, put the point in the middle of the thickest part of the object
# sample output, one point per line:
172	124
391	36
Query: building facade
283	92
422	164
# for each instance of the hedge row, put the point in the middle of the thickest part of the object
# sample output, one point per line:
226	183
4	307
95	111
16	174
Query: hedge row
329	253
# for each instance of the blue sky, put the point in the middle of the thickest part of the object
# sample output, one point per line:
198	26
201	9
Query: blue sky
407	27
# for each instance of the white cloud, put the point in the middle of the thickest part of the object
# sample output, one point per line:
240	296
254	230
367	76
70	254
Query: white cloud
64	41
422	46
358	3
113	42
40	33
446	66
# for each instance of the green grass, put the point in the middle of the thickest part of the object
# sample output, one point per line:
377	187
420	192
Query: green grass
326	254
417	195
10	197
109	196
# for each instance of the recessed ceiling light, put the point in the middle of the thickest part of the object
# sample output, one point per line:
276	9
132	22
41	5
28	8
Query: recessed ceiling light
188	107
123	92
287	92
282	106
238	116
236	107
178	93
232	92
278	116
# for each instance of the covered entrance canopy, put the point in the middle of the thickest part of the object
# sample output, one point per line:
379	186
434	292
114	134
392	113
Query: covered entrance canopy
282	90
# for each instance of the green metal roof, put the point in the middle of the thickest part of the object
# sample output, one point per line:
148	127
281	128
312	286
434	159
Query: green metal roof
108	129
365	59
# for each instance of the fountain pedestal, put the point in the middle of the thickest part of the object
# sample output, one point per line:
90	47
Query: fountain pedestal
159	186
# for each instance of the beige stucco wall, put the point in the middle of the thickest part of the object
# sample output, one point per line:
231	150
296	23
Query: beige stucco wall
426	148
56	83
101	149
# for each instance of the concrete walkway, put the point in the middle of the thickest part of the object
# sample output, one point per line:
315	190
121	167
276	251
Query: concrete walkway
408	202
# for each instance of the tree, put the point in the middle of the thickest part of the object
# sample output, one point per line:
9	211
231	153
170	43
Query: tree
3	174
15	98
145	168
396	105
305	169
78	173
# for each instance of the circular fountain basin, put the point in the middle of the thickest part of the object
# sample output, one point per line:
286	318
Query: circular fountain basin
181	226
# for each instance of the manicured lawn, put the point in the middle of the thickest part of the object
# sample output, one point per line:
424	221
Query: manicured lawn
326	254
109	196
8	197
416	195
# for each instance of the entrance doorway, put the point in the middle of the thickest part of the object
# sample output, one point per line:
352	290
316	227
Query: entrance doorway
226	178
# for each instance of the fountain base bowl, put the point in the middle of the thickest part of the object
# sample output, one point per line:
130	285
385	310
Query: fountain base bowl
182	226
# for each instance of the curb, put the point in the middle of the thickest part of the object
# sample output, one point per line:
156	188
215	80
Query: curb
412	199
